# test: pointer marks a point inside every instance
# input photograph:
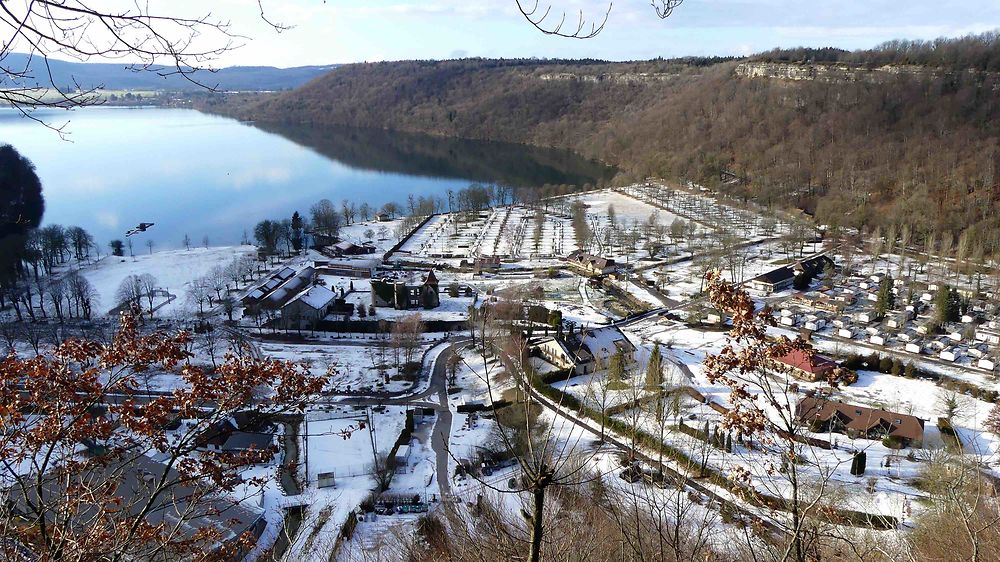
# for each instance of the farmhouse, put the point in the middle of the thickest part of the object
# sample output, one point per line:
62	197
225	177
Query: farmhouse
278	289
238	433
773	281
804	366
859	421
782	278
585	352
405	292
563	354
594	265
307	308
345	248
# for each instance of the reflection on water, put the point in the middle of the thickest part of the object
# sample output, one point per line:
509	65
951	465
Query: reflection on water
424	155
204	175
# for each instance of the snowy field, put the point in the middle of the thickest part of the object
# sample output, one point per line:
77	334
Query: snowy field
173	269
509	232
356	368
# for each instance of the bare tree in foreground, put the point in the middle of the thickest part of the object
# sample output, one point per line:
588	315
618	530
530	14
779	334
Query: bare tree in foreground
768	426
161	41
65	504
561	24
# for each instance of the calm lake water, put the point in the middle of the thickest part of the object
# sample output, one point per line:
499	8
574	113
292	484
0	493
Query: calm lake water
203	175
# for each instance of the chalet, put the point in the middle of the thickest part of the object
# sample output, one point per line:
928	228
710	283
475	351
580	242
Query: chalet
814	325
345	248
813	266
605	342
897	320
564	355
405	292
950	354
238	433
307	308
382	216
594	265
805	366
586	352
773	281
860	422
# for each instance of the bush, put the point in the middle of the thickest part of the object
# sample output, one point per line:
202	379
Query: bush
893	441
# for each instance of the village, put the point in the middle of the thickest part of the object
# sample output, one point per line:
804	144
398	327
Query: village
605	291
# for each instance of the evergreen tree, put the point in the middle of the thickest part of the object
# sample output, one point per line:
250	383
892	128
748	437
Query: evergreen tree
992	423
886	299
947	305
297	228
654	369
616	370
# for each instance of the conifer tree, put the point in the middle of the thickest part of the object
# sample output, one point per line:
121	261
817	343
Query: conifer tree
654	369
886	299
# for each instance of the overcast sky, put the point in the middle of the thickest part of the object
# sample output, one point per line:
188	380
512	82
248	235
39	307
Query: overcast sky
342	31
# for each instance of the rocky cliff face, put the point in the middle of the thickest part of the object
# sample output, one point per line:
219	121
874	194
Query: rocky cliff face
629	78
839	73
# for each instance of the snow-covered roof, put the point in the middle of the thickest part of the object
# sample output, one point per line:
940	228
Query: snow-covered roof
315	297
609	339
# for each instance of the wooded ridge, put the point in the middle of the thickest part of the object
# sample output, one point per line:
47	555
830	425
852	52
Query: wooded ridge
900	145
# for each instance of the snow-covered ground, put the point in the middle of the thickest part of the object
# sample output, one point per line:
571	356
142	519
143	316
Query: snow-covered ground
355	368
173	269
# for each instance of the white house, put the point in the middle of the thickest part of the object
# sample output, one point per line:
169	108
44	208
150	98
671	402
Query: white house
307	308
991	337
949	354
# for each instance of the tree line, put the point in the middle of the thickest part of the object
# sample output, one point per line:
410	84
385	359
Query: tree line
917	149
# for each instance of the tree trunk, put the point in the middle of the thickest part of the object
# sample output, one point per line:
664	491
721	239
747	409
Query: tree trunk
535	552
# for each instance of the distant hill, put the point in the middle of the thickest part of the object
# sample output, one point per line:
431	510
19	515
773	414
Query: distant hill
904	133
114	76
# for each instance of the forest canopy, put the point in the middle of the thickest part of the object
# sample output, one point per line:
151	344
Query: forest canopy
920	146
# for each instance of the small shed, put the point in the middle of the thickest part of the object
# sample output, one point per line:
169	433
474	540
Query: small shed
326	480
402	459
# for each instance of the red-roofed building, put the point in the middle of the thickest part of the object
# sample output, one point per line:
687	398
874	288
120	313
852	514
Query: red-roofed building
858	421
805	366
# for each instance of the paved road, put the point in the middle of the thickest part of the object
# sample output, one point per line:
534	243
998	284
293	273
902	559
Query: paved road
442	427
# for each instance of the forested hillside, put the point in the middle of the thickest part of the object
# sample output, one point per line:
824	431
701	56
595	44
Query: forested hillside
900	144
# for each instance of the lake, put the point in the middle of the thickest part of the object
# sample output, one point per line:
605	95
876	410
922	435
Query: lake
204	175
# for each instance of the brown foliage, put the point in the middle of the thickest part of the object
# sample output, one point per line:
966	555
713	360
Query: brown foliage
73	424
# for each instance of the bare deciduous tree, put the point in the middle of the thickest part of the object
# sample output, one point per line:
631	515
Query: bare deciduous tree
147	39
